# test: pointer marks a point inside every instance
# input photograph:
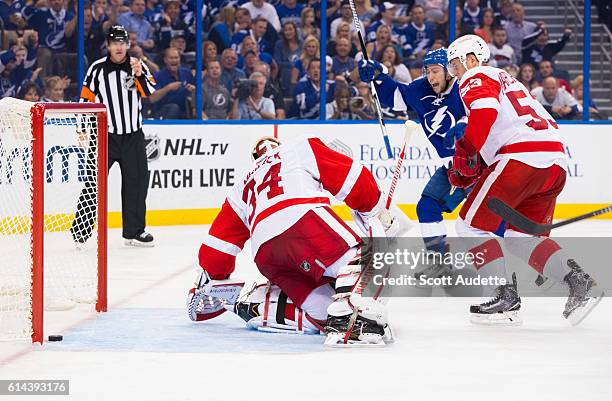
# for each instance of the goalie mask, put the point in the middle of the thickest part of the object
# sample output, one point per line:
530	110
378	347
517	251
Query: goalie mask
264	145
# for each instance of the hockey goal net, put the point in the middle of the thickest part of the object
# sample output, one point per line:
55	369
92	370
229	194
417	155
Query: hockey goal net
53	169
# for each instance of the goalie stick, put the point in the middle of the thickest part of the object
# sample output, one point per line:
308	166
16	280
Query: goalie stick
377	230
381	121
518	220
411	126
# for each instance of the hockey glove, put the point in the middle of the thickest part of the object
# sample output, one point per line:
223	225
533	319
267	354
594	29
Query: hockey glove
209	297
460	181
466	159
456	132
369	69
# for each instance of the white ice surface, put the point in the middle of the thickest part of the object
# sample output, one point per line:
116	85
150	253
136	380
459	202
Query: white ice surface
145	347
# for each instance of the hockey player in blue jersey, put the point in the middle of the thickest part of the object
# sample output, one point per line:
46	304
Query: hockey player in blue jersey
435	98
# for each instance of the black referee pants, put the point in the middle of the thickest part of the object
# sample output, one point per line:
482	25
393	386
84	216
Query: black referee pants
129	151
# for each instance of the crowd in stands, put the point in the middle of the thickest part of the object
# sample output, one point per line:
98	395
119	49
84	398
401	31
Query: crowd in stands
261	58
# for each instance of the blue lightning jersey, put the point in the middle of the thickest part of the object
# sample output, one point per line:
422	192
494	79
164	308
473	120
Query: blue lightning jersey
437	113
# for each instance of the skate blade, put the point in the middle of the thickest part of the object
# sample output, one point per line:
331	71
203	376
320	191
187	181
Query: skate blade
285	330
138	244
512	318
336	340
580	313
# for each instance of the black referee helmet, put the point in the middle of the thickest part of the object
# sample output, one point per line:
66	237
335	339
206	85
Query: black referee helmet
117	33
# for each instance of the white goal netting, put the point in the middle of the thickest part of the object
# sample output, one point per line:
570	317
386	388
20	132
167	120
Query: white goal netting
70	249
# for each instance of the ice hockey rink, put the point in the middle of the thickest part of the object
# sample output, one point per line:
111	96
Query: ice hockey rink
146	348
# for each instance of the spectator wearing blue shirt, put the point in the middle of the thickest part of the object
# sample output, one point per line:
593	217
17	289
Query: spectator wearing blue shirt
343	64
135	21
10	61
290	11
25	71
230	74
172	25
10	14
243	28
310	51
286	51
307	98
387	13
471	18
51	24
153	11
260	26
418	36
173	85
249	45
99	15
222	29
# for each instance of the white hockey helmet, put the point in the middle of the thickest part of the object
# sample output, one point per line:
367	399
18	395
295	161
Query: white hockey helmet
465	45
263	145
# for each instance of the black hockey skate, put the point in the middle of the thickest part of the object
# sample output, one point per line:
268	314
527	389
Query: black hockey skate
246	311
341	331
502	309
583	294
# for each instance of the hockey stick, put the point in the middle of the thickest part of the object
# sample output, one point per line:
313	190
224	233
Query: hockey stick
381	121
411	127
376	230
518	220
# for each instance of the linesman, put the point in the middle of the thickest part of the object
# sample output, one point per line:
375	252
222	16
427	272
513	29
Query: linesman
119	82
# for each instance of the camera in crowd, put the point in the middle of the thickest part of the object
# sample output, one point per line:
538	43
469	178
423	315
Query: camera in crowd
245	88
357	103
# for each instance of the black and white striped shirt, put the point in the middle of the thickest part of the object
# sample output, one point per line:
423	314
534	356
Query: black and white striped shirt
114	85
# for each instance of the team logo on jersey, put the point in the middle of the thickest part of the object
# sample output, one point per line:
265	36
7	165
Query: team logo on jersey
152	146
305	266
438	121
341	147
437	100
219	99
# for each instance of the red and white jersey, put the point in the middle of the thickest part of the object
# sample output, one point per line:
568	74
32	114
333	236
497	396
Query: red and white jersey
282	186
506	122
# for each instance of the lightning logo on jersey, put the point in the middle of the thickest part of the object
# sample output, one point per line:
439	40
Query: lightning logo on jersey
441	121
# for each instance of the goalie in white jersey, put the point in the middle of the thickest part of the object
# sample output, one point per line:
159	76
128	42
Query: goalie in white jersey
513	151
298	243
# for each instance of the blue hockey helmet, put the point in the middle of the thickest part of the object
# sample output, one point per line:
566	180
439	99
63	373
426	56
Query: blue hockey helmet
436	57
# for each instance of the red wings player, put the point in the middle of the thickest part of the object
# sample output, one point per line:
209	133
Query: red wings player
298	243
513	151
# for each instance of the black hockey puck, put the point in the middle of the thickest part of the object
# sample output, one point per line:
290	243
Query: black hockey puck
56	337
